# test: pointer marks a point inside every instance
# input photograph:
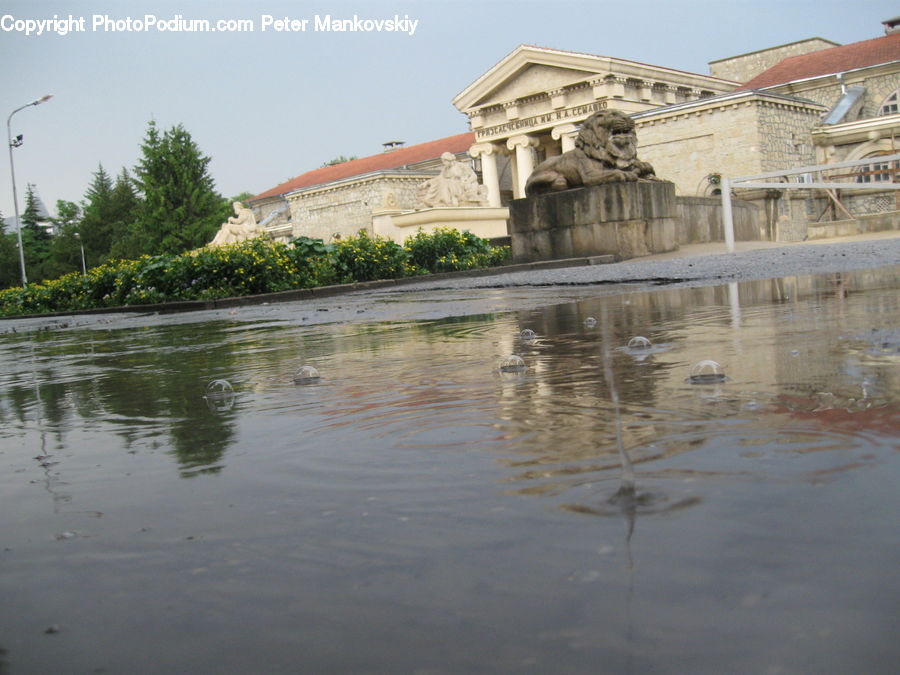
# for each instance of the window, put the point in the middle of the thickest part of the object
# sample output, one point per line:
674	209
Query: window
891	104
877	172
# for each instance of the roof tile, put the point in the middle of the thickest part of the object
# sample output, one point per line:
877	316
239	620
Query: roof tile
829	61
379	162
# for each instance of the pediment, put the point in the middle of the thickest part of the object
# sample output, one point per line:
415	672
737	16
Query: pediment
529	70
534	79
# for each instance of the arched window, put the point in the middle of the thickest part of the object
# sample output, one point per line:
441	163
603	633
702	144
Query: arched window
891	104
877	172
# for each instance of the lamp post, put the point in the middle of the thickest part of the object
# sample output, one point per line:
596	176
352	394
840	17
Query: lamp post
83	266
12	172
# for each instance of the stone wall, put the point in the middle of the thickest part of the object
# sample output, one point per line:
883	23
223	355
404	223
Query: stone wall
700	220
736	135
879	83
625	220
346	208
747	66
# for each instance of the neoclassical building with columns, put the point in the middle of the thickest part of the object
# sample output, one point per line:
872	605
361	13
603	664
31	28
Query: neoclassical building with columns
809	102
529	105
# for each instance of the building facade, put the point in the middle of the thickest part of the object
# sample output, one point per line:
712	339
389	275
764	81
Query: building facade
805	103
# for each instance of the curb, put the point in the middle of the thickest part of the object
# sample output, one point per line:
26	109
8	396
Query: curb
320	291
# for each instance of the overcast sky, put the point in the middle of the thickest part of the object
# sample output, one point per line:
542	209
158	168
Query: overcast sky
268	105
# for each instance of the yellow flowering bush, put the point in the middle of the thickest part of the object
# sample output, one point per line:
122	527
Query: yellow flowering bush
250	267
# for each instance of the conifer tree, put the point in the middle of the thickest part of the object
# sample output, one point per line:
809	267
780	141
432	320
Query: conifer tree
9	258
180	208
65	248
109	210
35	237
95	229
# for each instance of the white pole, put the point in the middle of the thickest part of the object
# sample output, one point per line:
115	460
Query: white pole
727	218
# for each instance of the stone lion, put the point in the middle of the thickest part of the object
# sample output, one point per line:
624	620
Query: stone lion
605	152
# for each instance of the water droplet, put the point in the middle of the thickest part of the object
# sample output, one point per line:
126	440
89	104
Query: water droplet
706	372
528	334
590	322
219	389
512	364
639	342
306	375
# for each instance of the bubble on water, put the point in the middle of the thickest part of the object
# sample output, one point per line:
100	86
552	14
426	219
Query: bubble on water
513	364
306	375
219	396
706	372
219	389
590	322
528	334
639	342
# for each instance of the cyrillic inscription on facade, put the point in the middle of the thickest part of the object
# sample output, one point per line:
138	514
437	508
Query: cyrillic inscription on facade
537	120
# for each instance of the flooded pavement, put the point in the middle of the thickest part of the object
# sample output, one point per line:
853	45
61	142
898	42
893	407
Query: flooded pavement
416	509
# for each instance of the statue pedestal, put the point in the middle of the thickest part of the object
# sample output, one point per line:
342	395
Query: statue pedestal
626	220
483	221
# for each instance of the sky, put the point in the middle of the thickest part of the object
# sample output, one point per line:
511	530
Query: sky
268	105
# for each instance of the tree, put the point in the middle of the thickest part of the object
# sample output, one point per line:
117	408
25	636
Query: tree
95	227
10	274
180	208
35	237
109	210
65	248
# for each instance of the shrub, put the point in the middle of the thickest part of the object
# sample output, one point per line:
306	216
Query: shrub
251	267
365	258
446	249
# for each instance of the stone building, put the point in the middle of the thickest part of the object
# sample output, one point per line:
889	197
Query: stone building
529	105
804	103
342	199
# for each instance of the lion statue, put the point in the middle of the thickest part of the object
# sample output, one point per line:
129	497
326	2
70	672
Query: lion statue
605	152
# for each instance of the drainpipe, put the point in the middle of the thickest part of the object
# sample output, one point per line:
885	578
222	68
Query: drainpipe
840	79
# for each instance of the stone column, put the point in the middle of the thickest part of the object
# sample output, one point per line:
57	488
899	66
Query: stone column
488	154
522	144
565	134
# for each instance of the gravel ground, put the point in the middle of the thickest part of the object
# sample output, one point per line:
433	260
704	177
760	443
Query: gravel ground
699	265
465	294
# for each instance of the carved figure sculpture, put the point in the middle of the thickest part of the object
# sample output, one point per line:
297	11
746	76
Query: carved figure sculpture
242	225
605	152
455	185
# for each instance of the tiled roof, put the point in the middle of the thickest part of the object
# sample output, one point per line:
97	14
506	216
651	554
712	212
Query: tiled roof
829	61
385	160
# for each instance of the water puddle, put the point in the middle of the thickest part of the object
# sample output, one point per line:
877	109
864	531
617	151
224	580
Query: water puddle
540	490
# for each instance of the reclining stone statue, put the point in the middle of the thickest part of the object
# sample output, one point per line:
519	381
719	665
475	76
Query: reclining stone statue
242	225
605	152
455	185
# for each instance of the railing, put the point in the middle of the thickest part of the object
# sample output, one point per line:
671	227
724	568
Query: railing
819	176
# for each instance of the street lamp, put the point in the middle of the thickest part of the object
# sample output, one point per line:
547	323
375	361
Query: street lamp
12	172
83	266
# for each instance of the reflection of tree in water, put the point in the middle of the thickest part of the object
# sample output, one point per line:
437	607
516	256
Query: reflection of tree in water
144	384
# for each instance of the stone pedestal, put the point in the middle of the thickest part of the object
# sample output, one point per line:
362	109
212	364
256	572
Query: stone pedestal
482	221
626	220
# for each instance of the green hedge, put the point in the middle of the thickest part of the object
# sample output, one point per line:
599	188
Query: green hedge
252	267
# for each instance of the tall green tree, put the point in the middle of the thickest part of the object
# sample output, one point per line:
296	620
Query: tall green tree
95	227
35	237
109	210
180	208
65	247
9	258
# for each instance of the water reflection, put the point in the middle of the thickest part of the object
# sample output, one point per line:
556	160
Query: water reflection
418	499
